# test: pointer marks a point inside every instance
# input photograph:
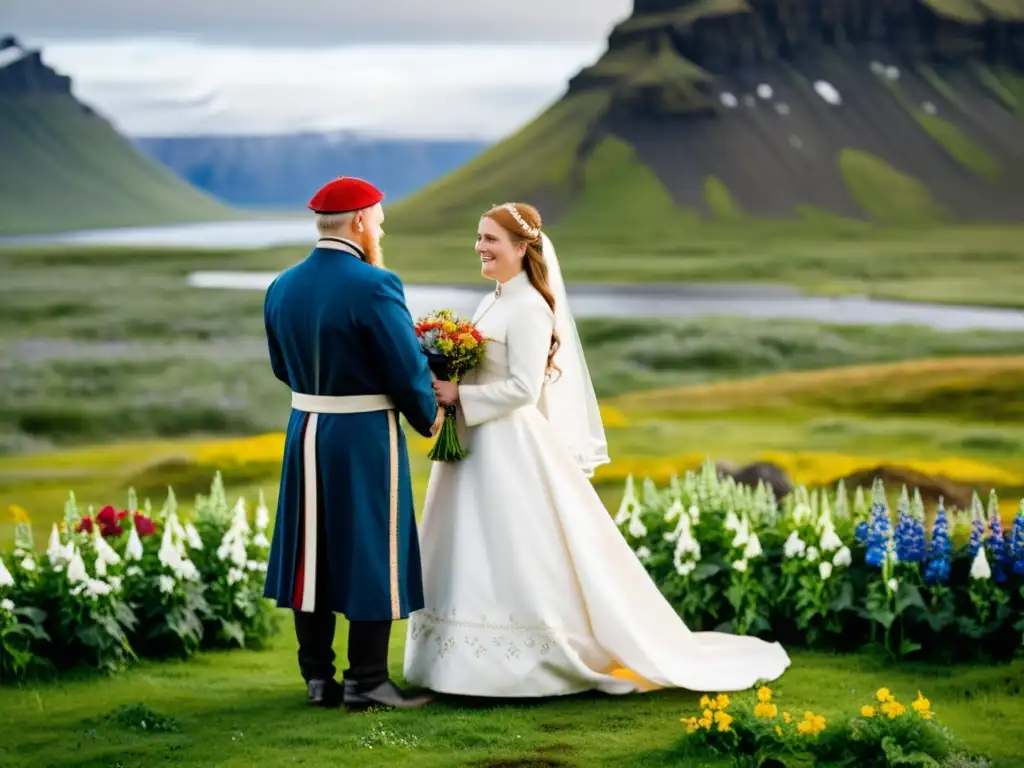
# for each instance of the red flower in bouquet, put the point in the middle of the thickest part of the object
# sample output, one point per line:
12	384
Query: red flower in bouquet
453	346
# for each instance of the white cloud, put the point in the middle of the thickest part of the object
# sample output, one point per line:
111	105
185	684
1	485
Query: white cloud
461	90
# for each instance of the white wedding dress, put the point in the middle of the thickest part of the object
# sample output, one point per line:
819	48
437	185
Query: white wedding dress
530	588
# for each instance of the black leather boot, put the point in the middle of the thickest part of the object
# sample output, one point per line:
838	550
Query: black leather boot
387	694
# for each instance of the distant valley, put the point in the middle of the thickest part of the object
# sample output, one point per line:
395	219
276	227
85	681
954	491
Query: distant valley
282	172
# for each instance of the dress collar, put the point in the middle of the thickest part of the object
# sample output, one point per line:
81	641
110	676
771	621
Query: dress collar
341	244
513	286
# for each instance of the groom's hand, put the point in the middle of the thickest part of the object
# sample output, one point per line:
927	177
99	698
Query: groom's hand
437	422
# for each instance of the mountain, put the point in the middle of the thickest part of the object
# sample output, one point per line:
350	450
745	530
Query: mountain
284	171
65	167
897	111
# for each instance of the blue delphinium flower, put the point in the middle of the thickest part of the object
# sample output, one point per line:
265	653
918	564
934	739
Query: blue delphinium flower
879	532
936	569
996	545
1017	542
909	538
861	531
977	535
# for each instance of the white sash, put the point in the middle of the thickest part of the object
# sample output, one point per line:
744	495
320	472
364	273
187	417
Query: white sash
336	404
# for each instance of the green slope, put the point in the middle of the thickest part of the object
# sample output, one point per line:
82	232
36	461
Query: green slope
63	168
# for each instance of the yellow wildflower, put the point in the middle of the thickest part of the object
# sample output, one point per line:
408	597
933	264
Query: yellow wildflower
922	705
764	694
722	701
778	730
766	710
893	709
18	515
705	722
884	695
707	714
705	702
787	718
811	724
867	711
724	720
691	724
449	327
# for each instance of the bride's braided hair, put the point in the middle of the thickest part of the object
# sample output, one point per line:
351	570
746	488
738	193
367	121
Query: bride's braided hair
523	223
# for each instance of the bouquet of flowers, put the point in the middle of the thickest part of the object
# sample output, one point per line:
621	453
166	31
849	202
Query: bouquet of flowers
453	347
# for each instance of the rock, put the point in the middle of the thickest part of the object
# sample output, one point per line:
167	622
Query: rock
770	474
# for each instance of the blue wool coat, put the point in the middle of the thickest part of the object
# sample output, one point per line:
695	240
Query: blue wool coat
339	326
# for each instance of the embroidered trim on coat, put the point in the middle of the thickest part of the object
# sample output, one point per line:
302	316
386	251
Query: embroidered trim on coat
396	602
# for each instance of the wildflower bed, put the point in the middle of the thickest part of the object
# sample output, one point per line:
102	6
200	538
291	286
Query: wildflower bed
820	571
118	585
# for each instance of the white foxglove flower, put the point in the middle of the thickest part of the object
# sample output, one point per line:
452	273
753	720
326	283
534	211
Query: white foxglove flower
115	583
630	503
262	515
825	569
166	584
76	570
235	575
794	546
694	513
7	605
97	588
240	521
637	529
740	565
892	585
753	548
261	540
843	556
674	511
980	568
28	564
101	566
133	571
104	552
192	536
802	513
133	549
830	540
812	554
642	553
187	571
686	569
168	554
6	578
732	522
742	535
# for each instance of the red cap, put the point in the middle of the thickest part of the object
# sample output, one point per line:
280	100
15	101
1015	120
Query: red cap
344	194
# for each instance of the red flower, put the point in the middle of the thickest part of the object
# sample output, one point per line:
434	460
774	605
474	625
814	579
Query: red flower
109	520
144	526
85	524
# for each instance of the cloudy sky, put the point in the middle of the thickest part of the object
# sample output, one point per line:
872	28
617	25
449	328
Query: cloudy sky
409	68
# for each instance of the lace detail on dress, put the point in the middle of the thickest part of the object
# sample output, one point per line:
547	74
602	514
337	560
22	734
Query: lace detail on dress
509	639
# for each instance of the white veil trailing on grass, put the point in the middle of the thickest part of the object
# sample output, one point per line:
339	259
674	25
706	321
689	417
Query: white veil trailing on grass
571	401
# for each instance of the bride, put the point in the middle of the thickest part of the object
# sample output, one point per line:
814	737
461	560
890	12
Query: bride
530	588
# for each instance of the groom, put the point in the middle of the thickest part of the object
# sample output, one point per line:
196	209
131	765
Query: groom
345	540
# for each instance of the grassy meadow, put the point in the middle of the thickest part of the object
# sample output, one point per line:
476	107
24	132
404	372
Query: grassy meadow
117	374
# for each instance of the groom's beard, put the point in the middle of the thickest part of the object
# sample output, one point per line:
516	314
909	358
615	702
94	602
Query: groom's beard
374	253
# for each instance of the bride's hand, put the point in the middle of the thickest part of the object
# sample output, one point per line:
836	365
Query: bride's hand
447	393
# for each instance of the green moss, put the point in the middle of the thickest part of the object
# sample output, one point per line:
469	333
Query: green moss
886	194
621	197
685	17
964	11
720	202
959	145
538	158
